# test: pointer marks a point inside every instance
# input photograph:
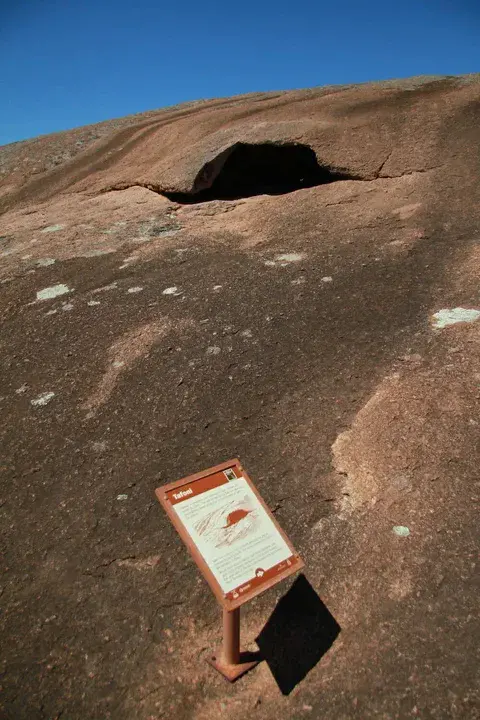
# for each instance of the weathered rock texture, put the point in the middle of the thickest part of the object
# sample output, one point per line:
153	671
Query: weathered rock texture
152	328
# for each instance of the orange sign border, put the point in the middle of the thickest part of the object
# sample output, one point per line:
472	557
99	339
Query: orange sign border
227	603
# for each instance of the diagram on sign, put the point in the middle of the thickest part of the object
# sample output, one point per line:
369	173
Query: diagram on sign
230	523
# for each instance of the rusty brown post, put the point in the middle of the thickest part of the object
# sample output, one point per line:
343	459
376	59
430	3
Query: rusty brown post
230	662
231	636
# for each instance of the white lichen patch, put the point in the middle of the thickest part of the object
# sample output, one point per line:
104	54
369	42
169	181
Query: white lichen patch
213	350
166	233
66	307
298	281
45	262
128	261
105	288
406	211
287	258
451	316
327	279
171	291
148	563
401	530
93	303
99	446
42	399
284	259
52	292
97	253
135	289
52	228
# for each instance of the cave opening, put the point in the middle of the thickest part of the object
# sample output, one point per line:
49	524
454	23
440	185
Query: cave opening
248	169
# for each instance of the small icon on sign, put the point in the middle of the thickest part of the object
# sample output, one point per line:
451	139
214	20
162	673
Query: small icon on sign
235	595
259	572
230	474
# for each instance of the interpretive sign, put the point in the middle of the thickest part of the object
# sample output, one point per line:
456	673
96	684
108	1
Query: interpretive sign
230	532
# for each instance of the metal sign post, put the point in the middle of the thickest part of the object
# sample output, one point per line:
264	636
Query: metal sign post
235	541
232	664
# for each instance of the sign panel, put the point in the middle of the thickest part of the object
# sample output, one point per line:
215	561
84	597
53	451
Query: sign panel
231	533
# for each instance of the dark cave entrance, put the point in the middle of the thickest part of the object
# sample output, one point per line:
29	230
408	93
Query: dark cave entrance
245	170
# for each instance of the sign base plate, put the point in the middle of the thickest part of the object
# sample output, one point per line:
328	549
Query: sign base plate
248	660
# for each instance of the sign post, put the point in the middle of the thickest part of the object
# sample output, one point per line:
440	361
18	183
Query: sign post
232	664
235	541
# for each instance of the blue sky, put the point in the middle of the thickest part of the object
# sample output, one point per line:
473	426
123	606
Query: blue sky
67	63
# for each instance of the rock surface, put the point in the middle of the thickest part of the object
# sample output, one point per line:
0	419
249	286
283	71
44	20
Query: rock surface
329	337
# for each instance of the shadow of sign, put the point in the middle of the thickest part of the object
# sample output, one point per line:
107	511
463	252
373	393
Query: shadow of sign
297	635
